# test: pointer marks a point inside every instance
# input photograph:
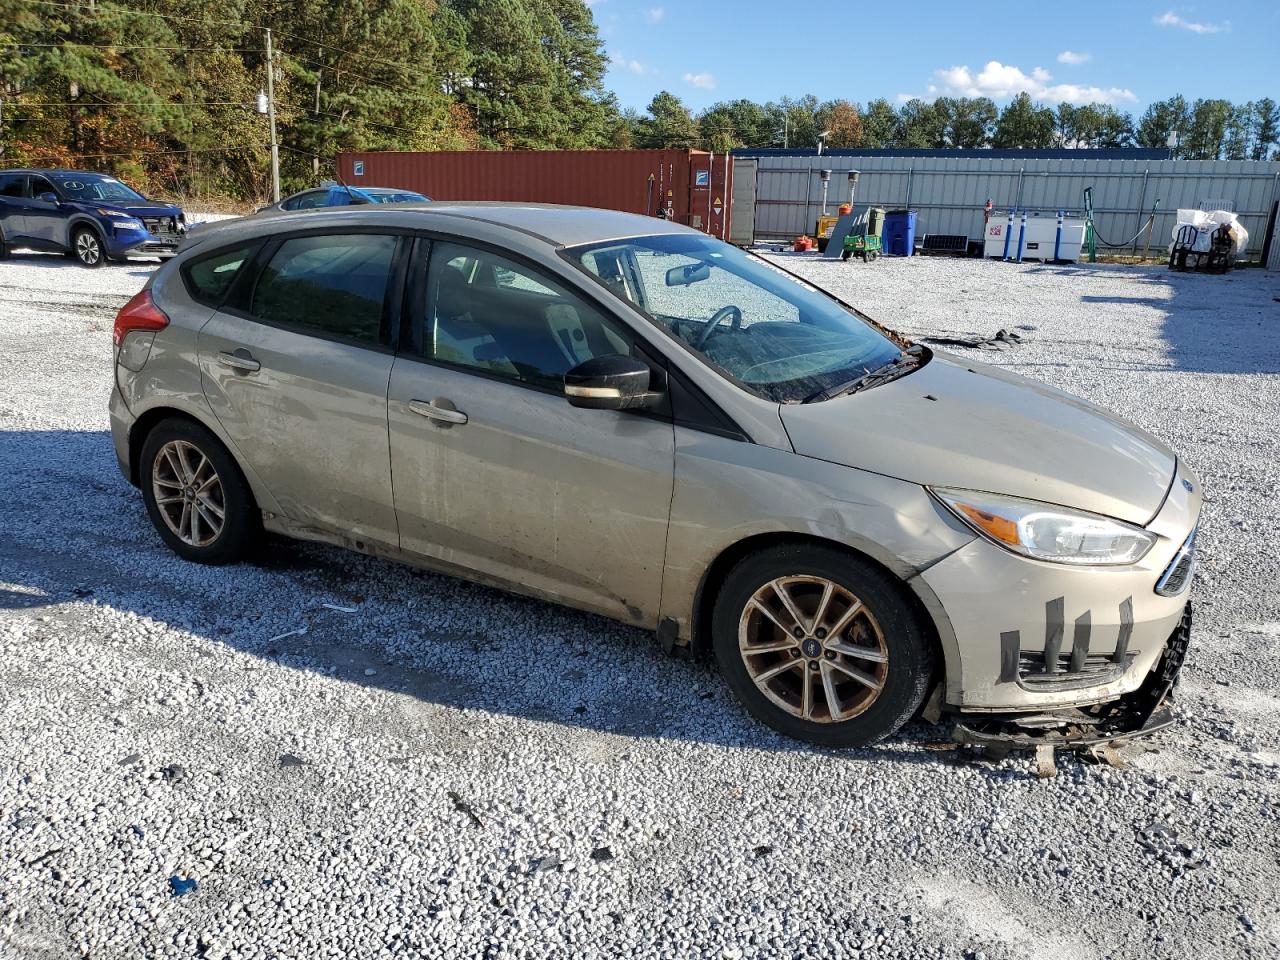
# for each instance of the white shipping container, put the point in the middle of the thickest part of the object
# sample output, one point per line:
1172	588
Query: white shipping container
1039	241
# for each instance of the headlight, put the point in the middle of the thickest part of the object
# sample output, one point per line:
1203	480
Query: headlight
1044	531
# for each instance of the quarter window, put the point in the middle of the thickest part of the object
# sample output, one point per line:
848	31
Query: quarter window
13	184
489	313
209	278
335	286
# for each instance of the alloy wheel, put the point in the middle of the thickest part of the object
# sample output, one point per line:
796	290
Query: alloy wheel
188	493
813	648
87	248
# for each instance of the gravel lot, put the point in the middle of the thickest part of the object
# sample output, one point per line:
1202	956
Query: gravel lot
449	771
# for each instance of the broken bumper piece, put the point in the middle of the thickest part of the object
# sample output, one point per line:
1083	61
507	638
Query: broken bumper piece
1136	714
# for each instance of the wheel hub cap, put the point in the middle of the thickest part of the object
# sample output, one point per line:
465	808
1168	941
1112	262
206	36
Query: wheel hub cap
813	648
188	493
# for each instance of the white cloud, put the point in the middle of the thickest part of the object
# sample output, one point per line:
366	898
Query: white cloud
1000	81
1171	19
704	80
619	62
1073	58
654	14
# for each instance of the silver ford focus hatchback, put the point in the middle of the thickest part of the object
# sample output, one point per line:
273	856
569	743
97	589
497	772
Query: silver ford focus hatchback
626	416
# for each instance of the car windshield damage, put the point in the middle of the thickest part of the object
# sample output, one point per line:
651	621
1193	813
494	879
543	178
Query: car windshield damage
758	325
94	187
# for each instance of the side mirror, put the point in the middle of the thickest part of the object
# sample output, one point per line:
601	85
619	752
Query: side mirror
615	382
48	197
691	273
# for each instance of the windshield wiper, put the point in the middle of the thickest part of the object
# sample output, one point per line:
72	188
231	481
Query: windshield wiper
899	366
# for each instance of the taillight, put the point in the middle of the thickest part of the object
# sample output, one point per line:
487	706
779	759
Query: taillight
140	313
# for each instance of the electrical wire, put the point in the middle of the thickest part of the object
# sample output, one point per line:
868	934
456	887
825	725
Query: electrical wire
132	46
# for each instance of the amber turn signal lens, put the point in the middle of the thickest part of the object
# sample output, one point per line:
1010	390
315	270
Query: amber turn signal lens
998	528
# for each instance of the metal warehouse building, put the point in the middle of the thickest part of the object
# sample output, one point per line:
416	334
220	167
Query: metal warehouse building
780	191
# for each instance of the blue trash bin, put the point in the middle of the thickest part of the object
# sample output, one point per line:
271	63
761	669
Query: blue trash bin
900	233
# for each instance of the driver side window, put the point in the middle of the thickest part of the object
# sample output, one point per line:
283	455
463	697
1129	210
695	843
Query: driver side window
487	312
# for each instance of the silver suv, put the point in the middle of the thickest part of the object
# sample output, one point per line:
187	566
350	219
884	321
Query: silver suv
626	416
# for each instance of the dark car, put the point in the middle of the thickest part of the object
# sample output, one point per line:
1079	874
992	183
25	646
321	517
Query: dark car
89	216
336	195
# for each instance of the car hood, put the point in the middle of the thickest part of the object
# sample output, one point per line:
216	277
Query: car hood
135	208
954	423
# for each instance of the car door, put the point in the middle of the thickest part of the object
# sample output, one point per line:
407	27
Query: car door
45	221
493	470
295	366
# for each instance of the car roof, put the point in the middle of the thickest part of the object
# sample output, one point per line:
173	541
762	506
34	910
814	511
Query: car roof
42	170
552	223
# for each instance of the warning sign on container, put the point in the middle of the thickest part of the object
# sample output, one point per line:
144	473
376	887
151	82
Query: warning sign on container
716	206
701	178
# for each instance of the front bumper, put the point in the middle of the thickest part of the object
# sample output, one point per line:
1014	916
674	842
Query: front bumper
1144	711
1034	636
123	244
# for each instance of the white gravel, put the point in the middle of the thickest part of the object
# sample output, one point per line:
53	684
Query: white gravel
453	772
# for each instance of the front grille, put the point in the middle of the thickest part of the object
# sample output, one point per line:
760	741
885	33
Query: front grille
1053	669
1177	576
162	226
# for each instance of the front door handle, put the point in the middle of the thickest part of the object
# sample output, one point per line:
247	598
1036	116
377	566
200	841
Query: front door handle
240	361
441	410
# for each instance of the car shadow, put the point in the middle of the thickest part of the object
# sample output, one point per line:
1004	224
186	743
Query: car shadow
82	537
59	261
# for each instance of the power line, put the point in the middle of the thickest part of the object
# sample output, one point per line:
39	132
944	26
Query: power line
135	103
132	46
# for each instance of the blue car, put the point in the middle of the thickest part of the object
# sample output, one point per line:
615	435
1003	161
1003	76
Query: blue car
91	217
336	195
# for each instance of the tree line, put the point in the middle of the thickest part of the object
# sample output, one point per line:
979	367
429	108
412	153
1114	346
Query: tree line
166	94
1205	129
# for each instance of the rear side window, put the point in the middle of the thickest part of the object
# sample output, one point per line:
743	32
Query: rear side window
334	286
209	278
13	184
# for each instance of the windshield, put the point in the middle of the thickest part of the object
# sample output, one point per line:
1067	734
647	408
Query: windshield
782	338
92	186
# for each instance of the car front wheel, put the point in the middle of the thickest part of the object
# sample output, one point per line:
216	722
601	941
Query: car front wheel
86	247
196	497
821	645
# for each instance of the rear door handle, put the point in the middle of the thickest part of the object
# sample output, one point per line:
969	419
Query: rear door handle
440	410
239	361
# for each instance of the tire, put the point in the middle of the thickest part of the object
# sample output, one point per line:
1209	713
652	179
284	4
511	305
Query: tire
886	626
174	446
86	247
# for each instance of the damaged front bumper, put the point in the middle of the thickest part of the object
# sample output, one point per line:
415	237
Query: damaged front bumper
1141	712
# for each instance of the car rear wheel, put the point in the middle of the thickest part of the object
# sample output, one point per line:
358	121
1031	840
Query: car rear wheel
821	645
86	247
196	497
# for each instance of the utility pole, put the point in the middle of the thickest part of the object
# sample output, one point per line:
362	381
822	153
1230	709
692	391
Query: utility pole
271	117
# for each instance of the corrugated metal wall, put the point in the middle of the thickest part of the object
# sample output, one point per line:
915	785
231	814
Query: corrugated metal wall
949	192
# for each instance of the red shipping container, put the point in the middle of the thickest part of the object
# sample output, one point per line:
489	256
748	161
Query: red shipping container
692	187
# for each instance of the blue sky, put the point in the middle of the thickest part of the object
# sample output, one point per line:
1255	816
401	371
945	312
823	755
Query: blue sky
1125	52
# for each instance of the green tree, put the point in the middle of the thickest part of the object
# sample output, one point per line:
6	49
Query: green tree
1024	124
881	125
1162	118
921	125
965	121
1206	138
1266	128
668	124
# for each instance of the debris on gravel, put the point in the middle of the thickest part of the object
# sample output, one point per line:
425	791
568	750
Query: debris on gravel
460	760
